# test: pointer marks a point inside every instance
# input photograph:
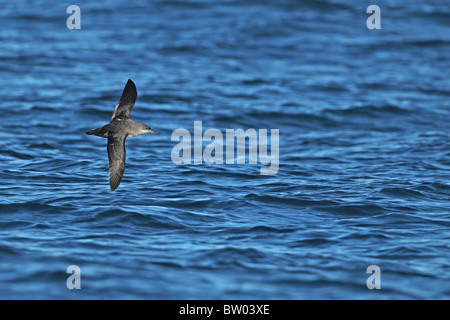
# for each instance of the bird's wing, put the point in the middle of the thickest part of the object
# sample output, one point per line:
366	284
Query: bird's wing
116	155
127	101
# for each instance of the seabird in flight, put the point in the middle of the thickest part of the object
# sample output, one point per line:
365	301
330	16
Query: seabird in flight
120	128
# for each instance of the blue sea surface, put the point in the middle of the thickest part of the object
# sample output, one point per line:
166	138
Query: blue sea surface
364	157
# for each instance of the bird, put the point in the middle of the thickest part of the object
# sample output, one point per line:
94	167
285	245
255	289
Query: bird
118	130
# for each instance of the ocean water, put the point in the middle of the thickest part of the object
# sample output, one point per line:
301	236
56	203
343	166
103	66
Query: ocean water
364	150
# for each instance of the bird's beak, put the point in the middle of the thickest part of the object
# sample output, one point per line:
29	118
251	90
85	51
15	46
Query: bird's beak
153	131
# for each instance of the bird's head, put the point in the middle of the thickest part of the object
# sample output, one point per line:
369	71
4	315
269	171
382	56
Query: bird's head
146	129
138	129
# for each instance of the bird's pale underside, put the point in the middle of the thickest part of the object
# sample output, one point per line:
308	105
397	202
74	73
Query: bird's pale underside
118	130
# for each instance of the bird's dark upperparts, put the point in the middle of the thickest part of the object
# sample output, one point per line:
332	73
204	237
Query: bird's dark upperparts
120	128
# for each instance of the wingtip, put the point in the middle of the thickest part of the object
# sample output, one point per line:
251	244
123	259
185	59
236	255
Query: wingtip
129	92
113	187
114	182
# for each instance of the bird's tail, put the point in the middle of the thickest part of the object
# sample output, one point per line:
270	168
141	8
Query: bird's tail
99	132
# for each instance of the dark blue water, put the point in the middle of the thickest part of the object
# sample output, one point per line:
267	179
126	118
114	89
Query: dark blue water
364	171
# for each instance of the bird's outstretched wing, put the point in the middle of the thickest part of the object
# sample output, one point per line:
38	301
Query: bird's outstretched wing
116	155
127	101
